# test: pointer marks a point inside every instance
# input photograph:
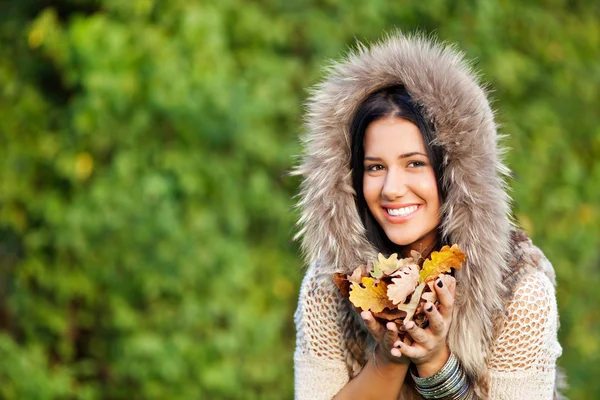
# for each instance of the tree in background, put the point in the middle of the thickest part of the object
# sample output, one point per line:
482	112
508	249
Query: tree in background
145	213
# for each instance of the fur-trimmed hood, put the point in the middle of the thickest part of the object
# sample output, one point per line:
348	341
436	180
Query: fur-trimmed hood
475	214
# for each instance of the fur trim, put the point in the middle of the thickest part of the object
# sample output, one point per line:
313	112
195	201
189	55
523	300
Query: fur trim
475	214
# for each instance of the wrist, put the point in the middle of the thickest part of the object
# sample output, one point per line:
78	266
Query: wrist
384	359
450	382
434	363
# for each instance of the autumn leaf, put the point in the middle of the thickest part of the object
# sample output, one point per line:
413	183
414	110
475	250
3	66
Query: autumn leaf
341	281
412	305
387	266
416	256
441	262
403	284
384	265
408	261
393	282
390	315
430	295
357	274
372	297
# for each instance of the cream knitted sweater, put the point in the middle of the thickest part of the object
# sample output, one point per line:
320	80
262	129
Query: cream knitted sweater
522	362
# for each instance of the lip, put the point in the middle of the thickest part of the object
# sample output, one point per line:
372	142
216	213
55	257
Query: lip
398	219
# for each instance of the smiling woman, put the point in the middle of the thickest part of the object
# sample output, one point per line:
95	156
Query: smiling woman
422	170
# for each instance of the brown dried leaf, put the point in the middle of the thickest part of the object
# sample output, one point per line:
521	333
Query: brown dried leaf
390	315
342	283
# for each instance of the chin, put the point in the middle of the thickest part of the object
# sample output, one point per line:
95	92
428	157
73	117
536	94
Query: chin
402	239
409	239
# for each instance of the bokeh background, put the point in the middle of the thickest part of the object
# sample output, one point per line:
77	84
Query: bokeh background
146	215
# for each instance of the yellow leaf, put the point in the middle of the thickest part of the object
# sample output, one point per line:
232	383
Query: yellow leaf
384	265
441	262
370	295
387	266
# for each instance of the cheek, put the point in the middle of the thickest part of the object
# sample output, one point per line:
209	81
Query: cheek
429	191
371	188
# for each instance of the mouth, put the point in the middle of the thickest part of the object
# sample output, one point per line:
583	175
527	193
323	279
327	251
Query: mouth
402	214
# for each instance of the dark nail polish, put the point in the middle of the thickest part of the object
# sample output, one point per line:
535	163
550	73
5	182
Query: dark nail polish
440	284
429	308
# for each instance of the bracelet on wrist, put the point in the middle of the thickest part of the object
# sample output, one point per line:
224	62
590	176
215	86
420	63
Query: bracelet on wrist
450	382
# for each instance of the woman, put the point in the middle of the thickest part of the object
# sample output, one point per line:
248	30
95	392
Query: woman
402	154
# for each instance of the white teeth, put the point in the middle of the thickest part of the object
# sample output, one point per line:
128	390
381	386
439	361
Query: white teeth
402	211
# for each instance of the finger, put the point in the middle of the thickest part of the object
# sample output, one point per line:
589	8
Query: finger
445	297
372	325
403	349
391	335
436	321
450	281
417	334
407	340
396	352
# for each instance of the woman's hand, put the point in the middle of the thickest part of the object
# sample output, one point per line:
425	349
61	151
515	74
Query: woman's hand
383	375
429	351
385	337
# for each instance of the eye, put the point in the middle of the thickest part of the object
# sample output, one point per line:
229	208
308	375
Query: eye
415	164
374	168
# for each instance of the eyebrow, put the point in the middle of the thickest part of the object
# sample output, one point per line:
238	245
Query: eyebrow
401	156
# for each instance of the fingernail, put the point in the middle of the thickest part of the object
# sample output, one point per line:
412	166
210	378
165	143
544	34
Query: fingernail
428	309
409	325
398	344
440	284
364	315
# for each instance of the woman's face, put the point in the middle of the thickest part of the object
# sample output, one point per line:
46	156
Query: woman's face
399	184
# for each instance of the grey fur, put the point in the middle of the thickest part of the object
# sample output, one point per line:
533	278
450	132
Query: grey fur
475	214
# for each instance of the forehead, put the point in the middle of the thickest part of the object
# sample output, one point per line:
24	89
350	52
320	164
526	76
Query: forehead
393	135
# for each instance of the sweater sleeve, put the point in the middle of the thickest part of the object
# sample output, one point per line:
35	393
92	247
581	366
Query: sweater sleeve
523	359
319	368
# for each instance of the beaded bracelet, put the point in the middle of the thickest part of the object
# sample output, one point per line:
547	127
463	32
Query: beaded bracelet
450	382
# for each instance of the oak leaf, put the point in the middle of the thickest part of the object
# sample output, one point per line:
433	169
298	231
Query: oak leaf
387	266
370	295
403	284
412	305
390	315
357	274
416	256
442	262
341	281
384	265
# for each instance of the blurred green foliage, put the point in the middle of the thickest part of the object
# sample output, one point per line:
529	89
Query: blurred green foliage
145	213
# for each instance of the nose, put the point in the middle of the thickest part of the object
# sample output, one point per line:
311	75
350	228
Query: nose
394	185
